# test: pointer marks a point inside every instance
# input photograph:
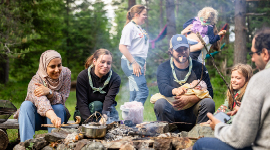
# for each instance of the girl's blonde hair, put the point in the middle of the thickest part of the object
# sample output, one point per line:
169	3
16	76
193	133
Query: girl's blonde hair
96	55
246	71
132	11
210	12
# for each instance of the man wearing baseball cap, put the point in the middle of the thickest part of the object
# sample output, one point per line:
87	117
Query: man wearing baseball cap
177	71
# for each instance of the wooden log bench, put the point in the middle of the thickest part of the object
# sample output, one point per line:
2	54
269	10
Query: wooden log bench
14	124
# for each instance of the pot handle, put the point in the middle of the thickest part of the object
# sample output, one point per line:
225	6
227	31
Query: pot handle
93	115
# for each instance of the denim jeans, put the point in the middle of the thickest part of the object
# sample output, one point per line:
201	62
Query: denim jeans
98	106
30	121
137	85
214	144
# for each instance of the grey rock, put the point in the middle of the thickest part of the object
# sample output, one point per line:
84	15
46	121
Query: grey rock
81	144
94	145
47	148
19	146
183	134
201	131
72	145
61	147
40	135
53	137
37	143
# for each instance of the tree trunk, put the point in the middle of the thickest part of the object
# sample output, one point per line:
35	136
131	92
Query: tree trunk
67	32
4	68
146	21
240	50
131	3
161	18
171	27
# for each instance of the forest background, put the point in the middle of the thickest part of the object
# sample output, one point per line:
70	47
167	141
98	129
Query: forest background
77	28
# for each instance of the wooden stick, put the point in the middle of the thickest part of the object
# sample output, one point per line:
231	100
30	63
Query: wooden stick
52	126
78	120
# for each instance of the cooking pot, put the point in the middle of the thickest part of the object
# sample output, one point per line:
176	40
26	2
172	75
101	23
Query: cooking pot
94	130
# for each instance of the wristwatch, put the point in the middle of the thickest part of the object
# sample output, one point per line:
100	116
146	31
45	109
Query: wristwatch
50	92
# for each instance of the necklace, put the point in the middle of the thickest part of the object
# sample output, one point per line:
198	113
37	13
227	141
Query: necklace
187	75
100	89
143	31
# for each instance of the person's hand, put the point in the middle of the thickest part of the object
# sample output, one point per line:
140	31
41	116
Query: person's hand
56	121
214	121
136	69
238	105
103	119
222	32
179	91
41	90
181	101
187	29
232	113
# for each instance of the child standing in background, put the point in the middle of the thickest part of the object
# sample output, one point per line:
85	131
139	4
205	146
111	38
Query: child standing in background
205	24
134	46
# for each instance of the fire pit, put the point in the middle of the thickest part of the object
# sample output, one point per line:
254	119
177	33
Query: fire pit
117	135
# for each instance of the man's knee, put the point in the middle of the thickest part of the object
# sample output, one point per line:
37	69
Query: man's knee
208	104
160	105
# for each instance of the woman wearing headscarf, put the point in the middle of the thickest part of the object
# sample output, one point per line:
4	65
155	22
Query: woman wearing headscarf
47	93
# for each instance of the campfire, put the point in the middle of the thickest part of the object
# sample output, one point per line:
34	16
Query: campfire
119	135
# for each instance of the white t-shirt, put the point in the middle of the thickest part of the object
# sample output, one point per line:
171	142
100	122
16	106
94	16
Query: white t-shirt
133	38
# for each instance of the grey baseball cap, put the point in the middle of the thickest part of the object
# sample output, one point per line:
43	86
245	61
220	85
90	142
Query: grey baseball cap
178	40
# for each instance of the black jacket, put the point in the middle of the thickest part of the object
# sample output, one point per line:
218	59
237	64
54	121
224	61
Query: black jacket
166	81
85	95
